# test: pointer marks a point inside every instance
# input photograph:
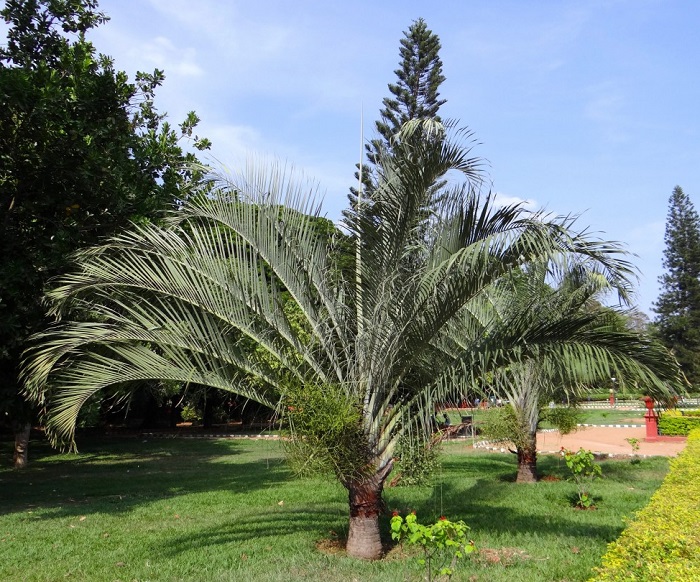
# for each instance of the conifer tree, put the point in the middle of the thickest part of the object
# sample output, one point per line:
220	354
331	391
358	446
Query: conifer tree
678	305
414	96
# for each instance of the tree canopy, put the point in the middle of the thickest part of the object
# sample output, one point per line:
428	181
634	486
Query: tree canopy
83	152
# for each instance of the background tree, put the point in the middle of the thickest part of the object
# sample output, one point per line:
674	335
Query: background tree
563	305
82	153
678	306
415	96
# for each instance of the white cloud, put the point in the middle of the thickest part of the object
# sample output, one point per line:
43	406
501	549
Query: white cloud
505	200
240	40
232	144
163	54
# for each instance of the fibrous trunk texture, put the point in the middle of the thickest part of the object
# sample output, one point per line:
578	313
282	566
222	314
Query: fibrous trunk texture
527	461
20	456
366	505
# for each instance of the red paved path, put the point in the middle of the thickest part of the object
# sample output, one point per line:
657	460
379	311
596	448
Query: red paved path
607	440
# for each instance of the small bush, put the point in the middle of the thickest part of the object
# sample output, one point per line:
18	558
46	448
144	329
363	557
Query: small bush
418	461
676	423
663	542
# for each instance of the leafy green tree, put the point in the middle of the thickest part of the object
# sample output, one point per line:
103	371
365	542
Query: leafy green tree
371	352
82	153
678	306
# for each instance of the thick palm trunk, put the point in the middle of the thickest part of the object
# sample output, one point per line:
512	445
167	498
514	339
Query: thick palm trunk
366	505
20	457
527	460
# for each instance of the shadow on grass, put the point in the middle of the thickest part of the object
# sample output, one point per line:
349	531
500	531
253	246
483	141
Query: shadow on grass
117	474
275	525
488	500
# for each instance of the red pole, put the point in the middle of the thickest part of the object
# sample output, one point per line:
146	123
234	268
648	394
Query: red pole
651	420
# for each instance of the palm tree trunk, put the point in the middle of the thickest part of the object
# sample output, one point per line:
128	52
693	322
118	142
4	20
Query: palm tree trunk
366	505
527	460
20	457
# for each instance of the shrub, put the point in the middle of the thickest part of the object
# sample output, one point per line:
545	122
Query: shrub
418	461
663	541
676	423
443	543
584	469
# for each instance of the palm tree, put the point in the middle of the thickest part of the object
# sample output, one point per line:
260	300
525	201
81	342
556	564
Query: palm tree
243	267
588	343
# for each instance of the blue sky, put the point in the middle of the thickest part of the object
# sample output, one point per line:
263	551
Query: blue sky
579	106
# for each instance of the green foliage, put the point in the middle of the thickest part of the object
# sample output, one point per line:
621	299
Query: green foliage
563	418
444	540
677	423
90	413
414	96
190	413
663	541
678	306
584	469
634	443
502	425
418	460
324	431
83	153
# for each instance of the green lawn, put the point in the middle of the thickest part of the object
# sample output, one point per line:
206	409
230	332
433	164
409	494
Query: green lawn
210	510
587	416
612	416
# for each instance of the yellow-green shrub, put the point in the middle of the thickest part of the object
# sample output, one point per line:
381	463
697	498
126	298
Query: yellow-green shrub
662	543
677	423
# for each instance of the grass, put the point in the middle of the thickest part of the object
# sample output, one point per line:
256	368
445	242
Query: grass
612	416
587	416
219	510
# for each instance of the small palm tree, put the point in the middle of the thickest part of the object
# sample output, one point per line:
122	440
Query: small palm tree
238	292
585	345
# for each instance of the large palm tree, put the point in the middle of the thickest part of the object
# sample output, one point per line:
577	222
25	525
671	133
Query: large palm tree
583	345
242	267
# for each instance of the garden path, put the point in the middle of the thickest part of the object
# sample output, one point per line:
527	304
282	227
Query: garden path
608	440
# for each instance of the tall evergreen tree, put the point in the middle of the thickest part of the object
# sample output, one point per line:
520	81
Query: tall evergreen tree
415	96
678	305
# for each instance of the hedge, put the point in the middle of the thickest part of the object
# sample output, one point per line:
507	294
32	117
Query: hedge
677	423
662	543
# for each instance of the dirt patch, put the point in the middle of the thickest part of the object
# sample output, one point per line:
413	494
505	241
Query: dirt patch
331	547
335	546
502	556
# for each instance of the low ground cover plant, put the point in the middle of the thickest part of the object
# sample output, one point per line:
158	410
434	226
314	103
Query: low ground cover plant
228	510
663	542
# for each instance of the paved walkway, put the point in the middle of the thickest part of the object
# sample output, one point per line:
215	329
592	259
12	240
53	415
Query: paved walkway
608	440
